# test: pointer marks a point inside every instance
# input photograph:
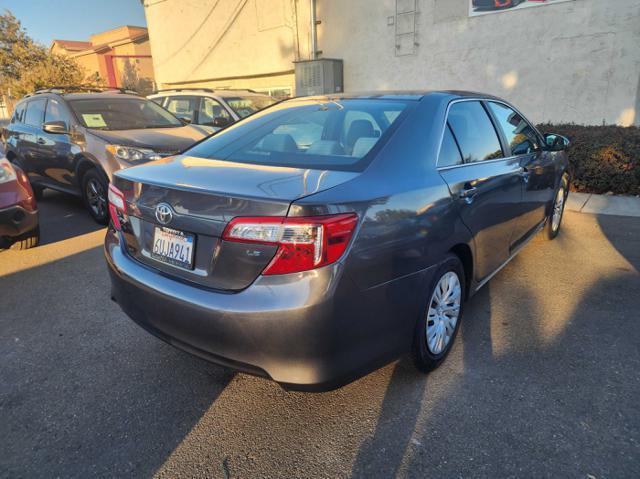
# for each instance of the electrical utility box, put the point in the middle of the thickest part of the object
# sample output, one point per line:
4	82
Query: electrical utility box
318	77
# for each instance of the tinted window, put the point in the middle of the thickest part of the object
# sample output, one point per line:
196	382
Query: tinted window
449	152
18	115
35	112
246	105
306	134
210	109
182	107
521	137
122	114
474	131
56	112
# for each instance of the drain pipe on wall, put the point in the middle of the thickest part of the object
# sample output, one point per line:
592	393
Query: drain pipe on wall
314	31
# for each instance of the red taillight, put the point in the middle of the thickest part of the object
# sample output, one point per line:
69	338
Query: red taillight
117	207
304	243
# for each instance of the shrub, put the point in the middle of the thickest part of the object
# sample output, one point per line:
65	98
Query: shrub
603	158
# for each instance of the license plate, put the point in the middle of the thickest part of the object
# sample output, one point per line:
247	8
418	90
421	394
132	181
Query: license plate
173	247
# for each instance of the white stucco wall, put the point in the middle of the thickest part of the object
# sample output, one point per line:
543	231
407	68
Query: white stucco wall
576	61
227	42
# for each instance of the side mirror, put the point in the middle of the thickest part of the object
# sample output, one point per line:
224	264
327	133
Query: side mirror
221	121
56	127
185	120
555	142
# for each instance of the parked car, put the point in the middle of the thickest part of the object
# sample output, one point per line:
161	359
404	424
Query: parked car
495	4
18	209
73	141
325	237
212	109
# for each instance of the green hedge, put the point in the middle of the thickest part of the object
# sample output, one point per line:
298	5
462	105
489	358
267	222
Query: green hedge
603	158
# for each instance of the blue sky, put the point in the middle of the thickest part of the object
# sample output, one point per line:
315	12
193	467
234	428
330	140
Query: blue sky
45	20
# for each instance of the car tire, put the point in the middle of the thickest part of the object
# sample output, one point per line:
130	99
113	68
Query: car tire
428	351
38	191
554	220
28	240
94	195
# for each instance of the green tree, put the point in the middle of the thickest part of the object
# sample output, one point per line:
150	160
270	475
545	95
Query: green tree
26	65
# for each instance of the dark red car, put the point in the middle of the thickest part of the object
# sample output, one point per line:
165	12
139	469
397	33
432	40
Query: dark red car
18	209
495	4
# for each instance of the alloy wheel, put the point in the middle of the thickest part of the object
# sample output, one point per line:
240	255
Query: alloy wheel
558	207
96	198
444	310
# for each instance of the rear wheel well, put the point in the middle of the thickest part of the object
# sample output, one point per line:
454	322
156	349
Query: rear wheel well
83	167
463	252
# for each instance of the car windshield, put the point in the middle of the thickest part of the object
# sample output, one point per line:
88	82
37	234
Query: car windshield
331	134
122	114
246	105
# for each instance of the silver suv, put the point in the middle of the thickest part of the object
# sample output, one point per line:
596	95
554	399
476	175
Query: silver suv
212	109
74	139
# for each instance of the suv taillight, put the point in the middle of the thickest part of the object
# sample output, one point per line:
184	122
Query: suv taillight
304	243
117	207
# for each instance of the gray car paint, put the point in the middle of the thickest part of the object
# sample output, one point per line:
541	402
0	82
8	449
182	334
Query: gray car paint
322	328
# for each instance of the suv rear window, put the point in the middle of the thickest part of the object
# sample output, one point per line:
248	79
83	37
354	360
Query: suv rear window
307	134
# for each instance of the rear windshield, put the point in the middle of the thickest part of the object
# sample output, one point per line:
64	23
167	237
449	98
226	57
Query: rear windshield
307	134
122	114
247	105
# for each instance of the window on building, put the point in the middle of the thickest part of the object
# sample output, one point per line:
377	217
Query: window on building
449	151
474	131
520	135
210	109
35	112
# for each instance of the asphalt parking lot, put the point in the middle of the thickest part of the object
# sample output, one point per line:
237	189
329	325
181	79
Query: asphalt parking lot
544	380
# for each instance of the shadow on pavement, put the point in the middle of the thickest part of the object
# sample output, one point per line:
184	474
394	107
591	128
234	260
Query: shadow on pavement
539	394
63	216
84	391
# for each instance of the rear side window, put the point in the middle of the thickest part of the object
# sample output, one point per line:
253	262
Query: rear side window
182	106
35	112
521	136
18	114
331	134
474	132
210	109
449	151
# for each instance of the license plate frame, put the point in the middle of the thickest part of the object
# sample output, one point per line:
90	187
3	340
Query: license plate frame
169	246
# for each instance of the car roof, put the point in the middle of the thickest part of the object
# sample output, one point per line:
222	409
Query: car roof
405	95
81	95
206	92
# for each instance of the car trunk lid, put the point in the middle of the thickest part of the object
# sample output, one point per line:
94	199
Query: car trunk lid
203	195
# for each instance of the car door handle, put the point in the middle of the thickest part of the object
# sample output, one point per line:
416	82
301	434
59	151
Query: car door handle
468	194
40	141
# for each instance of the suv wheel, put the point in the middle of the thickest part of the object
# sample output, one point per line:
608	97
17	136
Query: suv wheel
437	328
94	194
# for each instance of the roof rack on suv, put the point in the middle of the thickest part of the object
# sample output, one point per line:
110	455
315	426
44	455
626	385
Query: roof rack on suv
208	90
81	88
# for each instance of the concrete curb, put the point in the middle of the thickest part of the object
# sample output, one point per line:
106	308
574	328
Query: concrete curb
603	204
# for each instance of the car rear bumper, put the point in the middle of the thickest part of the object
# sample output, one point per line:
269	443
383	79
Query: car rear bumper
301	330
16	220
